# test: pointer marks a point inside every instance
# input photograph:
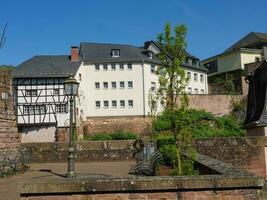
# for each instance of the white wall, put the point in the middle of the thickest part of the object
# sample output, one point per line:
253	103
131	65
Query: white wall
142	79
88	94
38	134
202	87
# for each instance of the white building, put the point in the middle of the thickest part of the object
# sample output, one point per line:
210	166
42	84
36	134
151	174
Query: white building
115	80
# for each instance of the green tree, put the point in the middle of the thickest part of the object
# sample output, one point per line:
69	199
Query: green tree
172	83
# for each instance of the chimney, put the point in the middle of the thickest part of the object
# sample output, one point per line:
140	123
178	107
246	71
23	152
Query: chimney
74	55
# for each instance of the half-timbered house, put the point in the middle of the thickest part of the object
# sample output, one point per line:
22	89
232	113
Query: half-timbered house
41	103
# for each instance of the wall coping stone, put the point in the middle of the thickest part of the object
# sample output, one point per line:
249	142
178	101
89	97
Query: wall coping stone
94	185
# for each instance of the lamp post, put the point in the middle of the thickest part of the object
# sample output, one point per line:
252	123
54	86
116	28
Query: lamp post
71	88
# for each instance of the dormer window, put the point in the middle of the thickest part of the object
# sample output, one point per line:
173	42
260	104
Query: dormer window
115	53
150	55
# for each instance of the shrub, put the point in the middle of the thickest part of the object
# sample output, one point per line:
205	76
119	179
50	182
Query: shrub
117	135
200	123
122	135
101	136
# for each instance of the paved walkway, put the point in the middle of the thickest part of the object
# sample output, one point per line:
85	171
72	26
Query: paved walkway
9	187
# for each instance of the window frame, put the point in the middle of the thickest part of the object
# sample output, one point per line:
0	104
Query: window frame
105	106
114	106
122	101
122	82
130	106
97	83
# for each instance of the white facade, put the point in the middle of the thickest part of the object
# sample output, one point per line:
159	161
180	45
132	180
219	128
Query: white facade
122	91
101	93
198	83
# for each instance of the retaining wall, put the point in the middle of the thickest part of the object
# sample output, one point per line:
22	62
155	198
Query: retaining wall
9	136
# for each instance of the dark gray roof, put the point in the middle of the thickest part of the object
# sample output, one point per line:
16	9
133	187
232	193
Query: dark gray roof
96	52
198	68
99	52
46	66
251	40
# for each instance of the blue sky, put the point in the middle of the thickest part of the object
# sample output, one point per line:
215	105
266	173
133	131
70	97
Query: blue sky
49	27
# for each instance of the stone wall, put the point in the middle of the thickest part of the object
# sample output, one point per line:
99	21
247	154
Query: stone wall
216	104
243	152
9	136
86	151
109	124
206	187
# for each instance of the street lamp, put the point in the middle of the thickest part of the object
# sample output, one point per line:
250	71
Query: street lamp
71	88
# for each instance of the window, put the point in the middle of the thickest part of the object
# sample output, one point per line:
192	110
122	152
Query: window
80	76
189	75
105	67
43	109
189	61
130	103
105	104
114	104
97	68
105	85
115	53
97	85
150	55
189	90
152	69
194	62
201	78
130	67
61	108
58	108
113	67
130	84
202	91
195	76
31	93
196	91
31	109
153	86
121	67
26	110
121	84
56	92
122	103
97	104
36	109
113	85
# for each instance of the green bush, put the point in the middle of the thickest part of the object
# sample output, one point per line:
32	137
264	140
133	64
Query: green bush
101	136
122	135
200	123
117	135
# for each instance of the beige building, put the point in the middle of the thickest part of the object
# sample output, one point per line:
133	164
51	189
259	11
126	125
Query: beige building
251	48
